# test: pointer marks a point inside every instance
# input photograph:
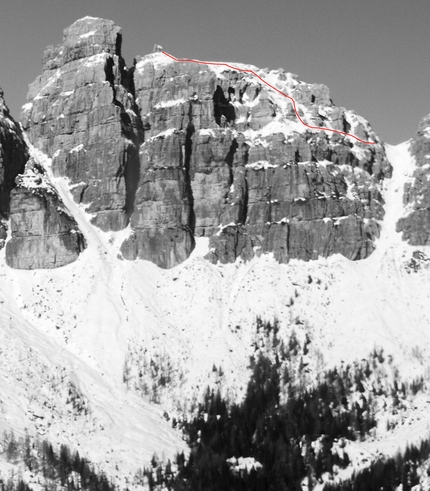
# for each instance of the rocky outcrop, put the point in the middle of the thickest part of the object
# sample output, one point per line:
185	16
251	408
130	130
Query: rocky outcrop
181	150
85	38
81	113
302	210
162	217
13	156
416	224
249	176
44	234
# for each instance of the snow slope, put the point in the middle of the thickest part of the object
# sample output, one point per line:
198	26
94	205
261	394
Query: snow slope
106	329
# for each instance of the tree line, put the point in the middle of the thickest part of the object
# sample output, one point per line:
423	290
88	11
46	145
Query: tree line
280	437
64	470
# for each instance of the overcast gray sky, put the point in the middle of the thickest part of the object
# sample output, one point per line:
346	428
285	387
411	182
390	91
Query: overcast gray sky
373	54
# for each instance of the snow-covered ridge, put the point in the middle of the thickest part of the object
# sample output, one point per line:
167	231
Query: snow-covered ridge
312	102
156	59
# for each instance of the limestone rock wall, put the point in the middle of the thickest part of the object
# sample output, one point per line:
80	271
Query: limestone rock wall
162	218
44	234
184	150
416	224
80	112
13	156
249	176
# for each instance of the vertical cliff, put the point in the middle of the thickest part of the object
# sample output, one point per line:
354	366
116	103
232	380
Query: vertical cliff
43	233
415	225
162	218
179	150
13	156
250	176
81	112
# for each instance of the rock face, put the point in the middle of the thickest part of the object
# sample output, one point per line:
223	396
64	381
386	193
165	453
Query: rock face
184	150
416	225
80	112
162	217
236	166
13	156
44	235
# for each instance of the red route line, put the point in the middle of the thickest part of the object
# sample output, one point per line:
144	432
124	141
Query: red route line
189	60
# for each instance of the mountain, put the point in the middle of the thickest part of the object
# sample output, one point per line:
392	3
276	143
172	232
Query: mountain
159	220
178	151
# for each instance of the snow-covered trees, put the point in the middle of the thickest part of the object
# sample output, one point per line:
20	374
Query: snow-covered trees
286	442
